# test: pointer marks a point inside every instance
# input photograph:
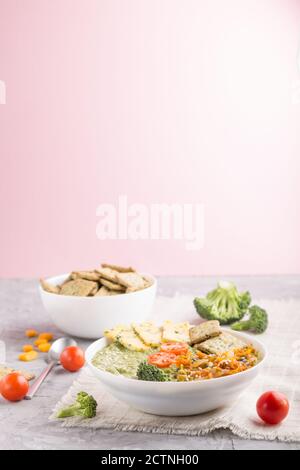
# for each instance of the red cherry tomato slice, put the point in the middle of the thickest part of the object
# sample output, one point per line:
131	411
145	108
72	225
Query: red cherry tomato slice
272	407
174	348
14	387
162	359
72	358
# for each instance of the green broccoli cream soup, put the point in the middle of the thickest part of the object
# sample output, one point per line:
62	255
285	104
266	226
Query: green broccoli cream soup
118	360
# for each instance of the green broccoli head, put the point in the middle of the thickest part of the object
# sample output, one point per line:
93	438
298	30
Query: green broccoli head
224	304
151	373
257	321
85	406
245	300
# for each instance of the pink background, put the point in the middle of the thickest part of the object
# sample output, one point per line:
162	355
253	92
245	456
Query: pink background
161	100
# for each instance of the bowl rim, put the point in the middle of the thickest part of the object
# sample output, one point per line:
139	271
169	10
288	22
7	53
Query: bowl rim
64	276
205	383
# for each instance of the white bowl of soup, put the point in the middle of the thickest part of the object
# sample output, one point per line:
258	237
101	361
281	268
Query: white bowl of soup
172	398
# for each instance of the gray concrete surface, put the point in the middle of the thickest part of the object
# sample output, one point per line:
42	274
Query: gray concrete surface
25	425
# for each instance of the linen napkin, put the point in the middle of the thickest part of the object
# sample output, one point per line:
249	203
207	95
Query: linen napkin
281	372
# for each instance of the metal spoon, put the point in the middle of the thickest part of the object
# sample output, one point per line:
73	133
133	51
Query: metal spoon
53	359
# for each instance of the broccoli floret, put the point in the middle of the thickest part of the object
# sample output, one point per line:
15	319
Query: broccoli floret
224	304
257	321
151	373
85	406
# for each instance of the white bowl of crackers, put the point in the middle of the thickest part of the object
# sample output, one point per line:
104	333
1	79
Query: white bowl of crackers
85	303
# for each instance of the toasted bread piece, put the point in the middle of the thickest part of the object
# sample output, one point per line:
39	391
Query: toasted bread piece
78	287
131	280
223	343
49	287
120	269
176	331
126	336
113	333
206	330
130	340
4	370
149	333
111	285
88	275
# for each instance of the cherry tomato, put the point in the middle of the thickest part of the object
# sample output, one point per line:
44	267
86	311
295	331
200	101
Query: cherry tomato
72	358
174	348
162	359
14	387
272	407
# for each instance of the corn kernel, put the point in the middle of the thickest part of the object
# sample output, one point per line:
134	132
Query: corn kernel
47	336
40	341
44	347
28	356
31	333
27	348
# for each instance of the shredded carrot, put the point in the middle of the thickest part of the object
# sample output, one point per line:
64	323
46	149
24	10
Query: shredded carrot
200	366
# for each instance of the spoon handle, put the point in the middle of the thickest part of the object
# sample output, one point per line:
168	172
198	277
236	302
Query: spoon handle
34	388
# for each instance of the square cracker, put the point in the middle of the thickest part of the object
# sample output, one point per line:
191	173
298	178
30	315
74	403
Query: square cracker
131	280
120	269
79	287
174	332
108	273
148	281
206	330
130	340
149	333
95	290
113	333
87	275
104	292
111	285
223	343
4	370
69	278
49	287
